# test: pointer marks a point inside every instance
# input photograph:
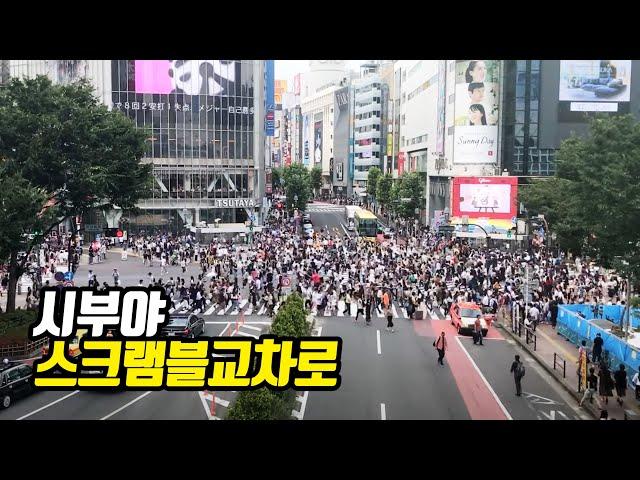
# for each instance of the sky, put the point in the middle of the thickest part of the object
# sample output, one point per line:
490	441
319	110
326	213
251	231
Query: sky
287	69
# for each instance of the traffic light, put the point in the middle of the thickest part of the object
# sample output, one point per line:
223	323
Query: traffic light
113	232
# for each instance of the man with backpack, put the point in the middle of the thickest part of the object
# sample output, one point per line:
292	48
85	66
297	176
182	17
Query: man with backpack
518	370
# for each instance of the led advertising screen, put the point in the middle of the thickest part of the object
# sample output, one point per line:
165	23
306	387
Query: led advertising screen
317	140
593	86
193	108
477	100
488	197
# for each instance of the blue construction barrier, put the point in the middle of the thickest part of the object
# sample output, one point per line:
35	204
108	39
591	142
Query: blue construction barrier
575	329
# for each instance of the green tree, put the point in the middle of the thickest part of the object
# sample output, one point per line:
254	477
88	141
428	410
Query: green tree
410	189
296	183
276	176
594	200
372	180
383	191
315	179
291	319
80	155
548	197
260	404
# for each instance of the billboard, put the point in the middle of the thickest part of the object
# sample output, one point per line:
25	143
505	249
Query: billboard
593	86
270	104
280	90
296	84
442	79
340	136
400	163
305	139
477	99
486	197
186	104
317	139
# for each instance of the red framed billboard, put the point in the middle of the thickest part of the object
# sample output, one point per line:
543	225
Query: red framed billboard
485	197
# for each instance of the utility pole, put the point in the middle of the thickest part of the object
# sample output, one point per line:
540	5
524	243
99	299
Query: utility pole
628	312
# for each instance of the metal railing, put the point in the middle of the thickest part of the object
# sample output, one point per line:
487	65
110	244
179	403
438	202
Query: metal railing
557	362
531	337
22	351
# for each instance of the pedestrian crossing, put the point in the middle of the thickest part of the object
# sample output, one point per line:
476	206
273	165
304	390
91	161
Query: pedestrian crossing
324	208
261	310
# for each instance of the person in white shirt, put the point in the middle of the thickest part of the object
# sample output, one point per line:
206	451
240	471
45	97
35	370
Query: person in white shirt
534	316
636	382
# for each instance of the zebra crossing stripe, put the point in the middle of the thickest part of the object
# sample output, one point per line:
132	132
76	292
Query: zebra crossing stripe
171	310
404	312
243	303
211	309
262	310
395	312
251	327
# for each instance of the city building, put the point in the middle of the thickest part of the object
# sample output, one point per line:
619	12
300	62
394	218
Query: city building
206	125
546	100
369	125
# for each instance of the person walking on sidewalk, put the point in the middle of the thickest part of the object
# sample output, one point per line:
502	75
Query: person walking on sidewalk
389	315
620	377
606	383
592	388
596	353
636	382
518	370
441	345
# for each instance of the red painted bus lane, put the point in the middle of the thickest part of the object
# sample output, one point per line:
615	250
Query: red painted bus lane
479	399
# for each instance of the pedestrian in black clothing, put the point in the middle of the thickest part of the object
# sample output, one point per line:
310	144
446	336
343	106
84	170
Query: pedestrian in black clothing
518	370
367	311
592	387
596	352
389	320
620	377
606	383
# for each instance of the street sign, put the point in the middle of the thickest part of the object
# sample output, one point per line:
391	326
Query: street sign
68	284
68	276
446	228
59	276
286	281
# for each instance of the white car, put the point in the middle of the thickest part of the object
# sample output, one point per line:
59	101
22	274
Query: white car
307	226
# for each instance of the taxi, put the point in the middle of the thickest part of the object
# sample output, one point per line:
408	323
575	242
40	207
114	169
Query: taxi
74	344
463	317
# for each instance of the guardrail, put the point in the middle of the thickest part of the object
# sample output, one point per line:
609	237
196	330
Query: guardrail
531	337
22	351
556	362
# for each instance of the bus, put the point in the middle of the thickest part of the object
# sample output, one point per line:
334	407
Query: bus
366	223
350	211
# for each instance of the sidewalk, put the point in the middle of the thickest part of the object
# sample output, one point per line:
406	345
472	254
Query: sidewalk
548	343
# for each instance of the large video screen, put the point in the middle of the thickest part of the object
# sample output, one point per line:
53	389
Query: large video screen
593	86
477	103
485	197
192	108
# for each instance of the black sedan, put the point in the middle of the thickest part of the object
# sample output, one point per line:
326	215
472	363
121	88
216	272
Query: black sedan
184	325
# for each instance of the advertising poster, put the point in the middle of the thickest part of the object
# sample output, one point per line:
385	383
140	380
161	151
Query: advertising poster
593	86
442	79
270	104
401	163
296	84
280	90
491	202
595	80
477	101
341	136
317	140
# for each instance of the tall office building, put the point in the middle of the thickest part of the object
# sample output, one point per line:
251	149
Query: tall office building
205	120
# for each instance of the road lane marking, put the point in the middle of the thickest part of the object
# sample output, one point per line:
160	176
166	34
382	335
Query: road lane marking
49	405
345	230
126	405
502	407
383	411
245	334
225	329
378	341
252	328
246	323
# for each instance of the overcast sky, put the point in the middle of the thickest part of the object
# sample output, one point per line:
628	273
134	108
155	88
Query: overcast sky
287	69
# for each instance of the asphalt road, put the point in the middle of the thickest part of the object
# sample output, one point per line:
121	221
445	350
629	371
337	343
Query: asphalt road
385	375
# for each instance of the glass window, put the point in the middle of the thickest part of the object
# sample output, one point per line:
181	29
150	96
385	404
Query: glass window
533	116
522	65
519	116
533	130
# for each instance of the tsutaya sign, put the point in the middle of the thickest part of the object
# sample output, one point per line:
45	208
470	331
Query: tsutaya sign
233	202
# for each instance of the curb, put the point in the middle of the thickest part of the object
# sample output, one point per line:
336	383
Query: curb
591	410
